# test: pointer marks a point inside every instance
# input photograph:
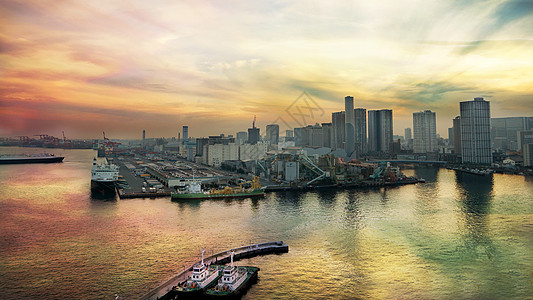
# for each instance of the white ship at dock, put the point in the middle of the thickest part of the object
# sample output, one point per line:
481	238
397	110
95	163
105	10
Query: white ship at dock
103	176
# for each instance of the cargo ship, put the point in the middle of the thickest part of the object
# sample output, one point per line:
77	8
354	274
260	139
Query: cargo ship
234	281
201	278
30	159
194	191
103	176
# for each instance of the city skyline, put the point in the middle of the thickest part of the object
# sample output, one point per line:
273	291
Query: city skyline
84	68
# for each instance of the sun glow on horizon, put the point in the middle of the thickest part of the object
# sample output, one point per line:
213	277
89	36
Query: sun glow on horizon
92	66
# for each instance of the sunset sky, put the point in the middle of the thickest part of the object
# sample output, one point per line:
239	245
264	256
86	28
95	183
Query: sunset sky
84	67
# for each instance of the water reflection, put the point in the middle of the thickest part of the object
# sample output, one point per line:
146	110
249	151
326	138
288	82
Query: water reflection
326	197
103	195
352	213
475	195
430	174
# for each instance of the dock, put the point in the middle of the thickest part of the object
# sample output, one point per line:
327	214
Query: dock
219	258
351	185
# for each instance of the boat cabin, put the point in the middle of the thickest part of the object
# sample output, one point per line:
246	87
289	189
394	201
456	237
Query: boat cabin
199	272
229	275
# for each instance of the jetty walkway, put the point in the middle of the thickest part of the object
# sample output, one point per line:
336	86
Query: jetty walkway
219	258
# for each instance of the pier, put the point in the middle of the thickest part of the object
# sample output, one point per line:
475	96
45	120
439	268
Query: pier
351	185
219	258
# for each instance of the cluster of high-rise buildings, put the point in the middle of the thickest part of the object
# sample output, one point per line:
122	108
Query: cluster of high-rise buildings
348	131
355	133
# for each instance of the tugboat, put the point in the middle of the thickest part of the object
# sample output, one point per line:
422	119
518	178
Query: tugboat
202	277
234	280
194	191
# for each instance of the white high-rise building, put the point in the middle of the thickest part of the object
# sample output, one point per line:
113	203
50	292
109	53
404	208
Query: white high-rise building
425	132
350	126
475	131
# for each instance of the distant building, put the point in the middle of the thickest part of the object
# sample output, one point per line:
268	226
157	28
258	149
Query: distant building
318	135
300	137
380	130
253	135
524	137
475	131
252	151
408	134
349	126
408	138
242	137
504	132
289	133
272	134
185	132
457	135
450	136
200	143
338	122
327	134
218	153
528	154
425	132
360	131
144	139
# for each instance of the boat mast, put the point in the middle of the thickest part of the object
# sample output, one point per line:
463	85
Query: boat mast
232	253
203	250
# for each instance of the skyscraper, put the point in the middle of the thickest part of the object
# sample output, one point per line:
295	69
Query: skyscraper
327	134
338	122
272	134
350	126
316	135
457	135
253	135
185	132
450	136
380	130
475	131
144	139
360	131
425	132
408	134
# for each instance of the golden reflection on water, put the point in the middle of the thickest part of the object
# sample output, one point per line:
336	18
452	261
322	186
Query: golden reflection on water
454	237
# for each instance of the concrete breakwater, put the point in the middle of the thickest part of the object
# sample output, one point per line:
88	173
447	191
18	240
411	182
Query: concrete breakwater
219	258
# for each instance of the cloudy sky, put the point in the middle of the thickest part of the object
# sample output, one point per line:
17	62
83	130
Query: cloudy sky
122	66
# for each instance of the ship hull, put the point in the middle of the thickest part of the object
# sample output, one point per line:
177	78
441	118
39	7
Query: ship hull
197	196
103	186
32	160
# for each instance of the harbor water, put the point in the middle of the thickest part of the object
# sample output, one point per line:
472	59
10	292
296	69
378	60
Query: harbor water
457	236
